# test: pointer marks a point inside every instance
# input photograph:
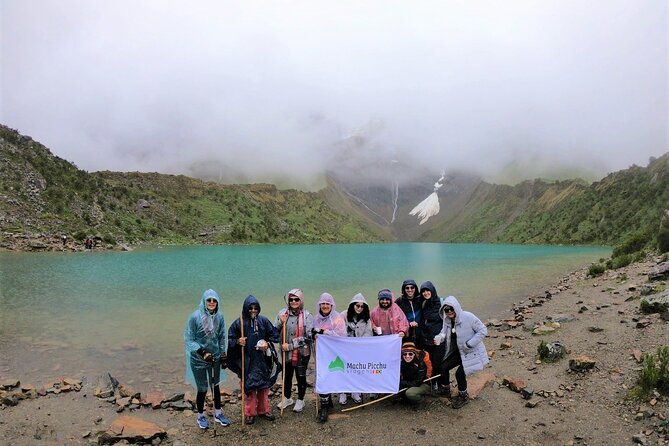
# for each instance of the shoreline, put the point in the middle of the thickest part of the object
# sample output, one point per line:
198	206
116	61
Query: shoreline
569	408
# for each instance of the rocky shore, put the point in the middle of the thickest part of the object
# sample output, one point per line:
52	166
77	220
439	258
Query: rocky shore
585	397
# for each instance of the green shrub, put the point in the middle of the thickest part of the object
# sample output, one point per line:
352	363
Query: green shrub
109	239
79	235
631	244
621	261
663	240
596	269
654	307
655	372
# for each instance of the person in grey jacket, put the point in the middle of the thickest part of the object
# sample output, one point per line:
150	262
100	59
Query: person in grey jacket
358	324
463	334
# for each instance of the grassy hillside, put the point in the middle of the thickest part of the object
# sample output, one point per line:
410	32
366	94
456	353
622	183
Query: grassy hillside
44	194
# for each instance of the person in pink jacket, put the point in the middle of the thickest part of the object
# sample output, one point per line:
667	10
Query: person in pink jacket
387	317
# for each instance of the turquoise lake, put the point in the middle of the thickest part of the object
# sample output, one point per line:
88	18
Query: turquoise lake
76	314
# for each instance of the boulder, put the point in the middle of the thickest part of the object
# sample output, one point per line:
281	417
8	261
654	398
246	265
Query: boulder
477	382
7	384
127	391
515	384
132	430
153	399
581	363
658	303
105	386
542	330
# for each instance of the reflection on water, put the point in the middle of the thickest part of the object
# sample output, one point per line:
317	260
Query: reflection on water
85	313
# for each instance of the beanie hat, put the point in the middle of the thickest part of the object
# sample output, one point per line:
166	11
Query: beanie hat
385	294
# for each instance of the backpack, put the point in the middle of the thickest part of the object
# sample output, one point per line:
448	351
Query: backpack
425	357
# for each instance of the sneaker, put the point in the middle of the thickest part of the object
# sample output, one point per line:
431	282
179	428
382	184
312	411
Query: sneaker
435	386
460	401
220	419
268	416
373	396
357	399
250	420
286	402
299	405
446	391
342	399
202	422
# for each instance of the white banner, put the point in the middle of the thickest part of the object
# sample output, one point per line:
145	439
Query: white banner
366	365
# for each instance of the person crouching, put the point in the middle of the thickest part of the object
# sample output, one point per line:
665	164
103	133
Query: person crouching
413	373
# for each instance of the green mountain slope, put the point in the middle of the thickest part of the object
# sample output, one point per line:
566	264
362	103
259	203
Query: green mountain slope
45	196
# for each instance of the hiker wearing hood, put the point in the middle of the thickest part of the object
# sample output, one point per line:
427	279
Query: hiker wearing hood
409	302
205	346
463	334
259	354
431	324
296	345
358	324
327	322
387	317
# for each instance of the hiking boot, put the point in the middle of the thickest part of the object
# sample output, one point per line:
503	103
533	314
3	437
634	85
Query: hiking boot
220	419
357	399
286	402
434	387
460	401
268	416
250	420
323	414
446	391
299	405
342	399
202	422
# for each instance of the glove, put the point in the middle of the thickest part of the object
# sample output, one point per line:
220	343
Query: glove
206	356
224	361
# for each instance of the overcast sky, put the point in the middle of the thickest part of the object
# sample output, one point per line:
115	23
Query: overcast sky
273	88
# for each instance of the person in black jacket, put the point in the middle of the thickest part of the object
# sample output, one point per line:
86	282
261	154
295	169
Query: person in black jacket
259	358
413	373
410	304
431	324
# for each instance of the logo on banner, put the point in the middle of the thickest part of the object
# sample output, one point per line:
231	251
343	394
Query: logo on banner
357	368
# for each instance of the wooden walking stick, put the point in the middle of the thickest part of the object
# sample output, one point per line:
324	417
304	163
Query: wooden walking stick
241	324
385	397
283	365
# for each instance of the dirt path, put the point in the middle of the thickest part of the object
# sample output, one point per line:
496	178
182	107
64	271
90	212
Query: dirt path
571	408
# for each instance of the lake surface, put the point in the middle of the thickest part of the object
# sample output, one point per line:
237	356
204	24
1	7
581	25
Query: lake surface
76	314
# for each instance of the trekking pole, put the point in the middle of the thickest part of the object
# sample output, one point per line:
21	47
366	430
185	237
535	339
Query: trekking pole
241	324
283	365
385	397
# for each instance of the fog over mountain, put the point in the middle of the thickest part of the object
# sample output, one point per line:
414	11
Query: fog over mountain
283	91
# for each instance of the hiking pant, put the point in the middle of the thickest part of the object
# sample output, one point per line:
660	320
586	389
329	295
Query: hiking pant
449	363
436	353
414	394
199	399
256	403
300	376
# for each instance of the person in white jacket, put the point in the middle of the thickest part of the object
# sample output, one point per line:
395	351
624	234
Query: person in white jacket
463	333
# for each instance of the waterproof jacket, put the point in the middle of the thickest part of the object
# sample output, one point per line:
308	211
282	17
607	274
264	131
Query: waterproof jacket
431	322
411	308
294	342
358	327
391	320
412	374
204	332
469	331
333	324
257	364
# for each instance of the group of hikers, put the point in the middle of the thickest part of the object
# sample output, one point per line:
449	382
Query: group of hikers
437	337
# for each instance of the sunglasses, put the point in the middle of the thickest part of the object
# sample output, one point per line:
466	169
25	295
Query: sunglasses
449	310
293	299
407	354
409	287
211	299
253	308
359	306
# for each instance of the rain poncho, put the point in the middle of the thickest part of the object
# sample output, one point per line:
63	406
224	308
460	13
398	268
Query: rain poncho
257	364
358	327
391	320
298	328
469	331
333	324
205	332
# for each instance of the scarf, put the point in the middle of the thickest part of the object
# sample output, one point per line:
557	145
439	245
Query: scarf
299	332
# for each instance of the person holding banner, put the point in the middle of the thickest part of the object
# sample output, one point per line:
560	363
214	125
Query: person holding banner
410	305
296	344
327	322
358	324
430	326
254	333
387	317
463	333
205	345
413	373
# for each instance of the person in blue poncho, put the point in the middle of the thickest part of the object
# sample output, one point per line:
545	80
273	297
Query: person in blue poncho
261	365
206	346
